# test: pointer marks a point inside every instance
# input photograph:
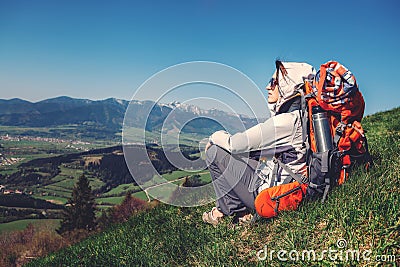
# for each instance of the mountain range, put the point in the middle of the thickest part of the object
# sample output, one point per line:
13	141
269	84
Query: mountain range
109	114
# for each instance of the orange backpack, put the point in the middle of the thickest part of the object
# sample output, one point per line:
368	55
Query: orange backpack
332	109
335	90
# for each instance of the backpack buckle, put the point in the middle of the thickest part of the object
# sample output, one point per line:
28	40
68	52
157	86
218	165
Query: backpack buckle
340	128
339	132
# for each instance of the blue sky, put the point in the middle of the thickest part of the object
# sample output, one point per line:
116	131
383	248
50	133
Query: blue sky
101	49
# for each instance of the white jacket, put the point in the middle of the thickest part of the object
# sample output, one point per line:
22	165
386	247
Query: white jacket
279	135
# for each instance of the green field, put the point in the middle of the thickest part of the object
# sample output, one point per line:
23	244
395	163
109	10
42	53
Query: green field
32	149
109	200
27	150
54	132
124	188
21	224
141	195
64	182
178	174
5	170
121	189
61	188
57	200
205	177
17	130
364	214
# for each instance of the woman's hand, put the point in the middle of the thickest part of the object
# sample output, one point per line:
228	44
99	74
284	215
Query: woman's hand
207	146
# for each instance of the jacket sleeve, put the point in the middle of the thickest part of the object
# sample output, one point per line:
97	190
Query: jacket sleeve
275	132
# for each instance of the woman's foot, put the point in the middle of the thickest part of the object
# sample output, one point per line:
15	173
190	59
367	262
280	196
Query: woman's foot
242	218
213	217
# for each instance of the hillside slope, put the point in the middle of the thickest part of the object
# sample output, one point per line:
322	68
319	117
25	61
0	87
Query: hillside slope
364	212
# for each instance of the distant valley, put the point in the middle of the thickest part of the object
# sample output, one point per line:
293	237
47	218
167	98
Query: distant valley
103	119
45	147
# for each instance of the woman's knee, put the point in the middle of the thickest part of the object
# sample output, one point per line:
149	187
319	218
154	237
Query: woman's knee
214	153
210	153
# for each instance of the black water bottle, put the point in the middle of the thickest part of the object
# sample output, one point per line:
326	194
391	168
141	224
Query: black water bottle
322	131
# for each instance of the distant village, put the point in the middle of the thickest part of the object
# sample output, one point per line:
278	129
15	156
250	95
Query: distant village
71	144
5	191
41	139
8	161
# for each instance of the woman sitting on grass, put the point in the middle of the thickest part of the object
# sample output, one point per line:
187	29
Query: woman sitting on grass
241	166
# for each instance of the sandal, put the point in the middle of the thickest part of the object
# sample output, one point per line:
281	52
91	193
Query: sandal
242	218
209	218
246	219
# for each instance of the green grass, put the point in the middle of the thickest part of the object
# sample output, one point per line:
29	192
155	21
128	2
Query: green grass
121	189
141	195
66	184
33	149
109	200
95	183
157	186
21	224
6	170
69	172
205	177
54	188
17	130
45	131
163	192
54	199
174	176
9	169
58	178
65	181
178	174
365	211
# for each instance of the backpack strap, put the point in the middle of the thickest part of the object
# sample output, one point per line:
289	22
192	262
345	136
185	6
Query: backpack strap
339	132
304	119
325	162
303	111
287	180
301	179
320	83
274	174
325	169
368	157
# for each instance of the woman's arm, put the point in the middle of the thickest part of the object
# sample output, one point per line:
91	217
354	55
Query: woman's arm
275	132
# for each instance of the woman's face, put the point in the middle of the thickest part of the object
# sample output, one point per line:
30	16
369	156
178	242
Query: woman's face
273	92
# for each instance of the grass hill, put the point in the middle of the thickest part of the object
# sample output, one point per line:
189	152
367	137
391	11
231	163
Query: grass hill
361	216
